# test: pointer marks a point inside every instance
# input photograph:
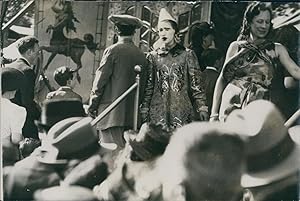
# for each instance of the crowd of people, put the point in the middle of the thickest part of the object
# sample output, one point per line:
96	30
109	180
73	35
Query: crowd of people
210	127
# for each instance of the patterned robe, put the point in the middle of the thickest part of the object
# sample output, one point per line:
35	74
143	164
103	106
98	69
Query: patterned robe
174	93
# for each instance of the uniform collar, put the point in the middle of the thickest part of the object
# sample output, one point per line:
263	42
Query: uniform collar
125	39
25	60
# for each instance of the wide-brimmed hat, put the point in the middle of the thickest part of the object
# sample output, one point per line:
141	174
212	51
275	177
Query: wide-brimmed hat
72	138
11	79
65	193
149	142
271	152
124	19
54	111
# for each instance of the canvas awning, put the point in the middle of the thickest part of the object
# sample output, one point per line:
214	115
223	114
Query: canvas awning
291	18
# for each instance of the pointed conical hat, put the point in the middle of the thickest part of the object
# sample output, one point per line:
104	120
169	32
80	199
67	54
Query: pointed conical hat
165	15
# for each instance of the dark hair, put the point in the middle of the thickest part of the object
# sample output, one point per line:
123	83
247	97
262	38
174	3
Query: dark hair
218	149
210	56
62	75
252	10
198	31
11	79
196	34
125	30
27	43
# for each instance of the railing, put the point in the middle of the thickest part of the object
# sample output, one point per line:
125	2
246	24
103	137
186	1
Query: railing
136	86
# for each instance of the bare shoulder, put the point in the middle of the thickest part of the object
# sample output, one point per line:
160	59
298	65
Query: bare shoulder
233	48
236	44
280	49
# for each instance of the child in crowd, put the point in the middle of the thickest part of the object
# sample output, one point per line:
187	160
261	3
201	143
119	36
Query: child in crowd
12	116
213	60
64	78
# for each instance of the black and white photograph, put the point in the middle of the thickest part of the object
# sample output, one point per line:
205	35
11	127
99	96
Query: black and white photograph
119	100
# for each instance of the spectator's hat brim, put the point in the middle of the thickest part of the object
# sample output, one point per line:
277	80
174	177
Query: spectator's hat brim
271	153
282	170
70	138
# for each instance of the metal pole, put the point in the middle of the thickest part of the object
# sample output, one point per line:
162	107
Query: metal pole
137	69
292	119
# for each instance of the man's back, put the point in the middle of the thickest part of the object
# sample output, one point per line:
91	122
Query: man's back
25	97
118	69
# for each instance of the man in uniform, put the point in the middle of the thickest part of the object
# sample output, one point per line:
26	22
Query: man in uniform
113	77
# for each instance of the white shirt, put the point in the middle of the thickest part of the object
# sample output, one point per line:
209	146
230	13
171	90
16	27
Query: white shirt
12	118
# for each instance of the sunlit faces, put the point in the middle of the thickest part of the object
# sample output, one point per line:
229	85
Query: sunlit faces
166	33
260	25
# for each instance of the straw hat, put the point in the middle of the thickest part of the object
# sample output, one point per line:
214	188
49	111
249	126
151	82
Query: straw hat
271	153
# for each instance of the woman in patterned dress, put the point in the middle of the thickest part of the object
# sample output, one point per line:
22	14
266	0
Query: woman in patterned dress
251	64
174	93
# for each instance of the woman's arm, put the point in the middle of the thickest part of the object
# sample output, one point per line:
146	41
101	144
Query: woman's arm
220	84
17	124
287	62
217	97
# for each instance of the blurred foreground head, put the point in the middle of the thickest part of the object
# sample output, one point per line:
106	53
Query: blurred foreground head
203	161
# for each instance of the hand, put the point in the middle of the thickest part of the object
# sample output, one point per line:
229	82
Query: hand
213	119
93	113
203	116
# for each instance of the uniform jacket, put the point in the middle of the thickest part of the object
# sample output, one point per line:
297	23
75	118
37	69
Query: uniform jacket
25	96
174	89
63	93
113	77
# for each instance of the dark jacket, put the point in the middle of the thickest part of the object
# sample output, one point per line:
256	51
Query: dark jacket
63	93
25	97
113	77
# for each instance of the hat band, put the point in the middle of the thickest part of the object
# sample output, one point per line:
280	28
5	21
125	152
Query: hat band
271	157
